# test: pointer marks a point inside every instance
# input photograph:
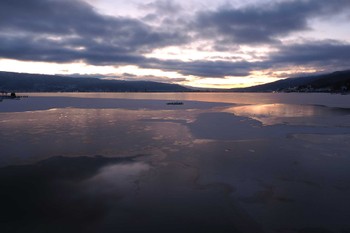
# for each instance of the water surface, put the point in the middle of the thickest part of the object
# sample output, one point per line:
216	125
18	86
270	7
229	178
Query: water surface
222	162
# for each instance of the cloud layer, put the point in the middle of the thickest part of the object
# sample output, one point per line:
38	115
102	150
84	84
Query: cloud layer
265	24
72	30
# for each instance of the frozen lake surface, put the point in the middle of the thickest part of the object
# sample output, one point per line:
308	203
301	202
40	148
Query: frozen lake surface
221	162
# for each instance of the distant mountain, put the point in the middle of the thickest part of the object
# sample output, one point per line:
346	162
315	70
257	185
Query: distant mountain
334	82
22	82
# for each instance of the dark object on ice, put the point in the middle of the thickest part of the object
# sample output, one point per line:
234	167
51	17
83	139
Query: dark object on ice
175	103
5	95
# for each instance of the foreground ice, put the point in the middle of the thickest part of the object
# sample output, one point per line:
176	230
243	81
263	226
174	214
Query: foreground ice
97	164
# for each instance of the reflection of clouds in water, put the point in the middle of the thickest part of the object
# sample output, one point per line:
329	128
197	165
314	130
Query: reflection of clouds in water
171	132
117	179
53	195
72	132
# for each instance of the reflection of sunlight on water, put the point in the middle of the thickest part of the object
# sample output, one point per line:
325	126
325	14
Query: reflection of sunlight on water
270	114
274	110
293	114
116	179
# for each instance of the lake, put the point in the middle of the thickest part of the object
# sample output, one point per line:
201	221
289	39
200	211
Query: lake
221	162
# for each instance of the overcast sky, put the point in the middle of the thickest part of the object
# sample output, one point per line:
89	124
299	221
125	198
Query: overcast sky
193	42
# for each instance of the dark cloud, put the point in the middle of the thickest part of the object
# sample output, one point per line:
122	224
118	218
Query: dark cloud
333	54
326	55
44	49
76	24
202	68
330	55
54	51
264	23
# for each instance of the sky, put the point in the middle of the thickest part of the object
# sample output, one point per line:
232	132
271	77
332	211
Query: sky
202	43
